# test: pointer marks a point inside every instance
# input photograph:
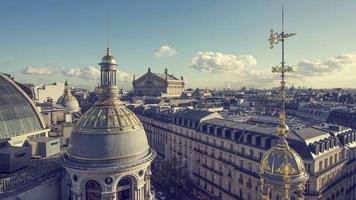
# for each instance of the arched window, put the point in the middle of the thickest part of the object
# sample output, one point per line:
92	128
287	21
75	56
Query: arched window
93	190
124	189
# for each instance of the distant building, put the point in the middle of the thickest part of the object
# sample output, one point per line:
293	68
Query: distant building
48	92
201	93
344	117
68	101
158	84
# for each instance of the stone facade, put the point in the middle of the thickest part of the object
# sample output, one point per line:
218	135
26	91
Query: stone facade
157	84
48	91
109	185
222	157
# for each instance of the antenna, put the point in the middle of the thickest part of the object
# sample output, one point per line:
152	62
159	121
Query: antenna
108	29
282	18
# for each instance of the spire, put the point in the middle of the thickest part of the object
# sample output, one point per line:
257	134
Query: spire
166	72
108	82
108	30
282	169
66	87
275	38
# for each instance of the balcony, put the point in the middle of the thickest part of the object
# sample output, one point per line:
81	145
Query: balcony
212	170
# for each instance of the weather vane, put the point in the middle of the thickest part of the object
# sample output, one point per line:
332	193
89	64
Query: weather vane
275	38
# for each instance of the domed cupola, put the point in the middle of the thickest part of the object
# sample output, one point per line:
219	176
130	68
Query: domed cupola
68	101
282	169
108	142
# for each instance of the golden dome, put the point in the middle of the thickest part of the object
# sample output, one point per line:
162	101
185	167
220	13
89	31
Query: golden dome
281	166
108	58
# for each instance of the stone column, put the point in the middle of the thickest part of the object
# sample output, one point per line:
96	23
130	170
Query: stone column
76	196
108	196
300	193
135	194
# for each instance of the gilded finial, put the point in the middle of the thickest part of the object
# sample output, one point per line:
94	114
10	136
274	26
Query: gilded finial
108	52
275	38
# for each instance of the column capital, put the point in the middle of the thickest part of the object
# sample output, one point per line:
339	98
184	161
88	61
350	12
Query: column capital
76	196
108	195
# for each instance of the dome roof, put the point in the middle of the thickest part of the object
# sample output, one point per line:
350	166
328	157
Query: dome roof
68	101
108	135
108	58
279	161
18	114
281	164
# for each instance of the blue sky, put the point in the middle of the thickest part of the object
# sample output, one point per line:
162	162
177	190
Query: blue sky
211	43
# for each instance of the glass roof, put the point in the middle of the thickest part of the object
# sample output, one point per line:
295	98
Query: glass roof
17	114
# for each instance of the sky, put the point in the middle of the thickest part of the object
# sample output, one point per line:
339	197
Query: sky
211	43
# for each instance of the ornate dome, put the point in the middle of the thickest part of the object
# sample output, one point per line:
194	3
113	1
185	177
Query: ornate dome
280	162
68	101
281	165
117	130
108	134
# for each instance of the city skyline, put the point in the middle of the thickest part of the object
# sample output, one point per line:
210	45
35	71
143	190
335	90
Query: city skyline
54	41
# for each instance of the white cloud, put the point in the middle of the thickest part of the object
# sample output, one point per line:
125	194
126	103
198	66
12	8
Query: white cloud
237	70
219	62
37	70
123	76
325	67
164	51
85	72
92	73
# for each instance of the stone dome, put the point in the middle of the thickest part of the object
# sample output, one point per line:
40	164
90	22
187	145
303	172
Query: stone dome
108	135
114	131
68	101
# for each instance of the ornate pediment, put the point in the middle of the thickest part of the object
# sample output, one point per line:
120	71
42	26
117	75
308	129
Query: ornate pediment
150	80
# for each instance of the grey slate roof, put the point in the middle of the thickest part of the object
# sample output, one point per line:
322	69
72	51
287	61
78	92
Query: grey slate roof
195	115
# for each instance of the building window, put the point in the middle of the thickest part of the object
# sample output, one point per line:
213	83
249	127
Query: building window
124	189
93	190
